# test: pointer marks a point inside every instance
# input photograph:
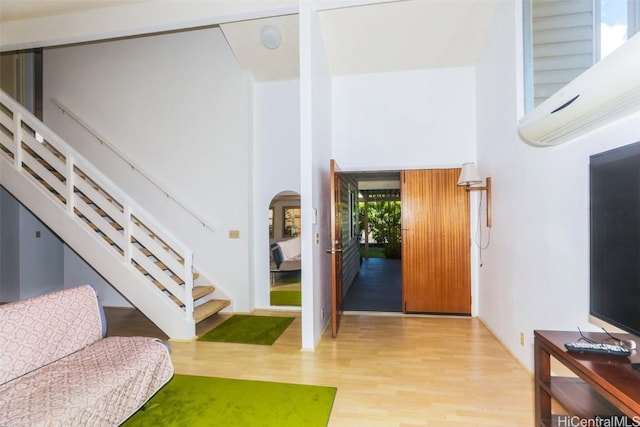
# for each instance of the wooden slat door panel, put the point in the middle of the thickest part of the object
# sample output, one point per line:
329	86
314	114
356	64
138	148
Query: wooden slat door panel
436	274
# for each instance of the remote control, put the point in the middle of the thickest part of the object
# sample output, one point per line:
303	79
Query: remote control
585	347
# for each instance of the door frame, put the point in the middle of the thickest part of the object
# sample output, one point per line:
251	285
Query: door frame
475	226
336	247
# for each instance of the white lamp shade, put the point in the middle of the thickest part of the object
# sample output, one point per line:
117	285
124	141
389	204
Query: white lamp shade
469	175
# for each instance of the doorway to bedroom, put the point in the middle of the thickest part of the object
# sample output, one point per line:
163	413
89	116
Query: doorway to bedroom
284	250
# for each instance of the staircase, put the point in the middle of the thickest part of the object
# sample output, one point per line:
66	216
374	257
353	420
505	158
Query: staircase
122	242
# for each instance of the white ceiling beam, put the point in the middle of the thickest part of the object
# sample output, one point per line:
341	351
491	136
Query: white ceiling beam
320	5
130	19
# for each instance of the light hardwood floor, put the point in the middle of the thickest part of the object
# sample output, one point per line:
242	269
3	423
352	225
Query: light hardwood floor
389	370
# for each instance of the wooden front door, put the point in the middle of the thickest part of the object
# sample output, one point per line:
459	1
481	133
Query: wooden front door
436	275
336	247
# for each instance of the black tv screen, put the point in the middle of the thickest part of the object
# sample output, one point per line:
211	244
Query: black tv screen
615	237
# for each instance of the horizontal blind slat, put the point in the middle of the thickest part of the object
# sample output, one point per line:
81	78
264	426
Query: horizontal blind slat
557	76
562	62
545	91
561	22
558	49
542	8
562	43
563	35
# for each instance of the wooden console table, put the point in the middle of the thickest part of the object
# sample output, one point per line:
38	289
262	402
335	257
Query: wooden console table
605	385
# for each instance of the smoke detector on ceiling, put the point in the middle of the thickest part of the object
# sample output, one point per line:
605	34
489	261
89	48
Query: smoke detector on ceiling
270	37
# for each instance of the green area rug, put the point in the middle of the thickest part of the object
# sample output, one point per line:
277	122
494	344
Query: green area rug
202	401
293	298
246	329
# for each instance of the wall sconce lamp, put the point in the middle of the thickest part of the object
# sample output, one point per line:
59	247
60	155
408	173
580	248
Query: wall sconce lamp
470	179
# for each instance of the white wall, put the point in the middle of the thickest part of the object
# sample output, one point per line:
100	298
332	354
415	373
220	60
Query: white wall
408	120
315	155
31	253
179	106
276	166
77	272
41	253
9	247
536	269
33	265
404	120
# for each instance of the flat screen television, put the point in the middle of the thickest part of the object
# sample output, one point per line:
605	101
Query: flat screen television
615	237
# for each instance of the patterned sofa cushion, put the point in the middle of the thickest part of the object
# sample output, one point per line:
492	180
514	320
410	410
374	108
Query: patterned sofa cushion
101	385
38	331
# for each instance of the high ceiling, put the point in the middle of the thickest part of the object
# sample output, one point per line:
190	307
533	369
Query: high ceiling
12	10
406	35
370	37
266	64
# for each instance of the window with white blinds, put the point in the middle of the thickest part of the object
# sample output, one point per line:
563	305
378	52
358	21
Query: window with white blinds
561	44
562	38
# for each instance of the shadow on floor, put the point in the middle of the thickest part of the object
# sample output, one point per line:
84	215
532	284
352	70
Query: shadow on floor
378	287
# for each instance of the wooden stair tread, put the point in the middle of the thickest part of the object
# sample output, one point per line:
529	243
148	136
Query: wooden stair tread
209	308
89	201
197	292
8	152
50	172
145	251
97	229
202	290
143	271
51	169
179	281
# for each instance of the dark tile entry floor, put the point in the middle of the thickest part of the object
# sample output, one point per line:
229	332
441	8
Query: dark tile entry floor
378	287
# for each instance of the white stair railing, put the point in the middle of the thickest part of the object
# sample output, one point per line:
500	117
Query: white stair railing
93	201
103	141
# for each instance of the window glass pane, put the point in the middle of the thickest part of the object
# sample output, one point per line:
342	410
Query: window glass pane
561	41
613	25
634	18
292	222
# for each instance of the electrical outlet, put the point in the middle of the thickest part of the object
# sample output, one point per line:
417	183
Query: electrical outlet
322	313
522	339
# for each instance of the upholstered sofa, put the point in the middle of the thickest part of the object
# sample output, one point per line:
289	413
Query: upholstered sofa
57	369
285	257
286	254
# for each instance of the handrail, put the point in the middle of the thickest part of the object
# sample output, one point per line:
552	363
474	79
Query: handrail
133	166
72	171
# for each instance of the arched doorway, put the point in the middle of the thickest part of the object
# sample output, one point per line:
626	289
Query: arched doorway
284	250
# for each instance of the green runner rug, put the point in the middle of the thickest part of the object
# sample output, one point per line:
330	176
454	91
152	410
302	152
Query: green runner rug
246	329
293	298
203	401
